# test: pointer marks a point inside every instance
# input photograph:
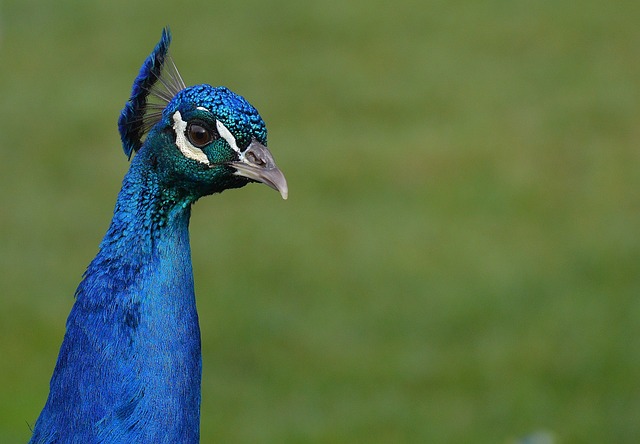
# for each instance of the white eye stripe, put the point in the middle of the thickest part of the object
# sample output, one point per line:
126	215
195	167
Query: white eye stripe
226	135
186	148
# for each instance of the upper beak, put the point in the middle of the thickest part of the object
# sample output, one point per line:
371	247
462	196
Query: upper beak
257	164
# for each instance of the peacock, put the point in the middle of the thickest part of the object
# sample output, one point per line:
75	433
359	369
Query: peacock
129	368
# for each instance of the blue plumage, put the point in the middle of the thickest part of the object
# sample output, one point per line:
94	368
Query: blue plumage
130	123
129	367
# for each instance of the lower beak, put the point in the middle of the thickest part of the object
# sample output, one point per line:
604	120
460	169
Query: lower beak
258	164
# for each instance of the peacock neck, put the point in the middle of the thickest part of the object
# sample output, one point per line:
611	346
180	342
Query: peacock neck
148	214
130	362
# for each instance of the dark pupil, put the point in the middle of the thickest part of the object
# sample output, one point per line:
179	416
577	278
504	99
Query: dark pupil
198	135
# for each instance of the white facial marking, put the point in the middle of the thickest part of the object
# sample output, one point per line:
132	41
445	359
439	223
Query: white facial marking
202	108
187	150
226	135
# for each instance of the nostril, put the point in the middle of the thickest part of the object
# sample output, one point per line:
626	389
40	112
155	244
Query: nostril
253	158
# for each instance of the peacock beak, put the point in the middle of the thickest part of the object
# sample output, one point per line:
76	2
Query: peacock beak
257	164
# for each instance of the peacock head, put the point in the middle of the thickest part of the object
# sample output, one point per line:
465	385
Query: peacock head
202	138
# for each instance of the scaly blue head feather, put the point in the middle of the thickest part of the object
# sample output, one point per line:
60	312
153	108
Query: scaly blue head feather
234	111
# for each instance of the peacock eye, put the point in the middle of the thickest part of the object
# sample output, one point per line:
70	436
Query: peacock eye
198	135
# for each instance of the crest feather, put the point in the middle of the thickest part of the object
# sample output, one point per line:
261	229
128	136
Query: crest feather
155	86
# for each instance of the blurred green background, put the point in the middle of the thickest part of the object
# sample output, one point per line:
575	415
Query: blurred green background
459	257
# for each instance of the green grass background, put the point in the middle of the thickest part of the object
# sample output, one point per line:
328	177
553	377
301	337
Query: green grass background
458	260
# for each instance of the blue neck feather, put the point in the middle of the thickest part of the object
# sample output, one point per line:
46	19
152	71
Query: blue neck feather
132	339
